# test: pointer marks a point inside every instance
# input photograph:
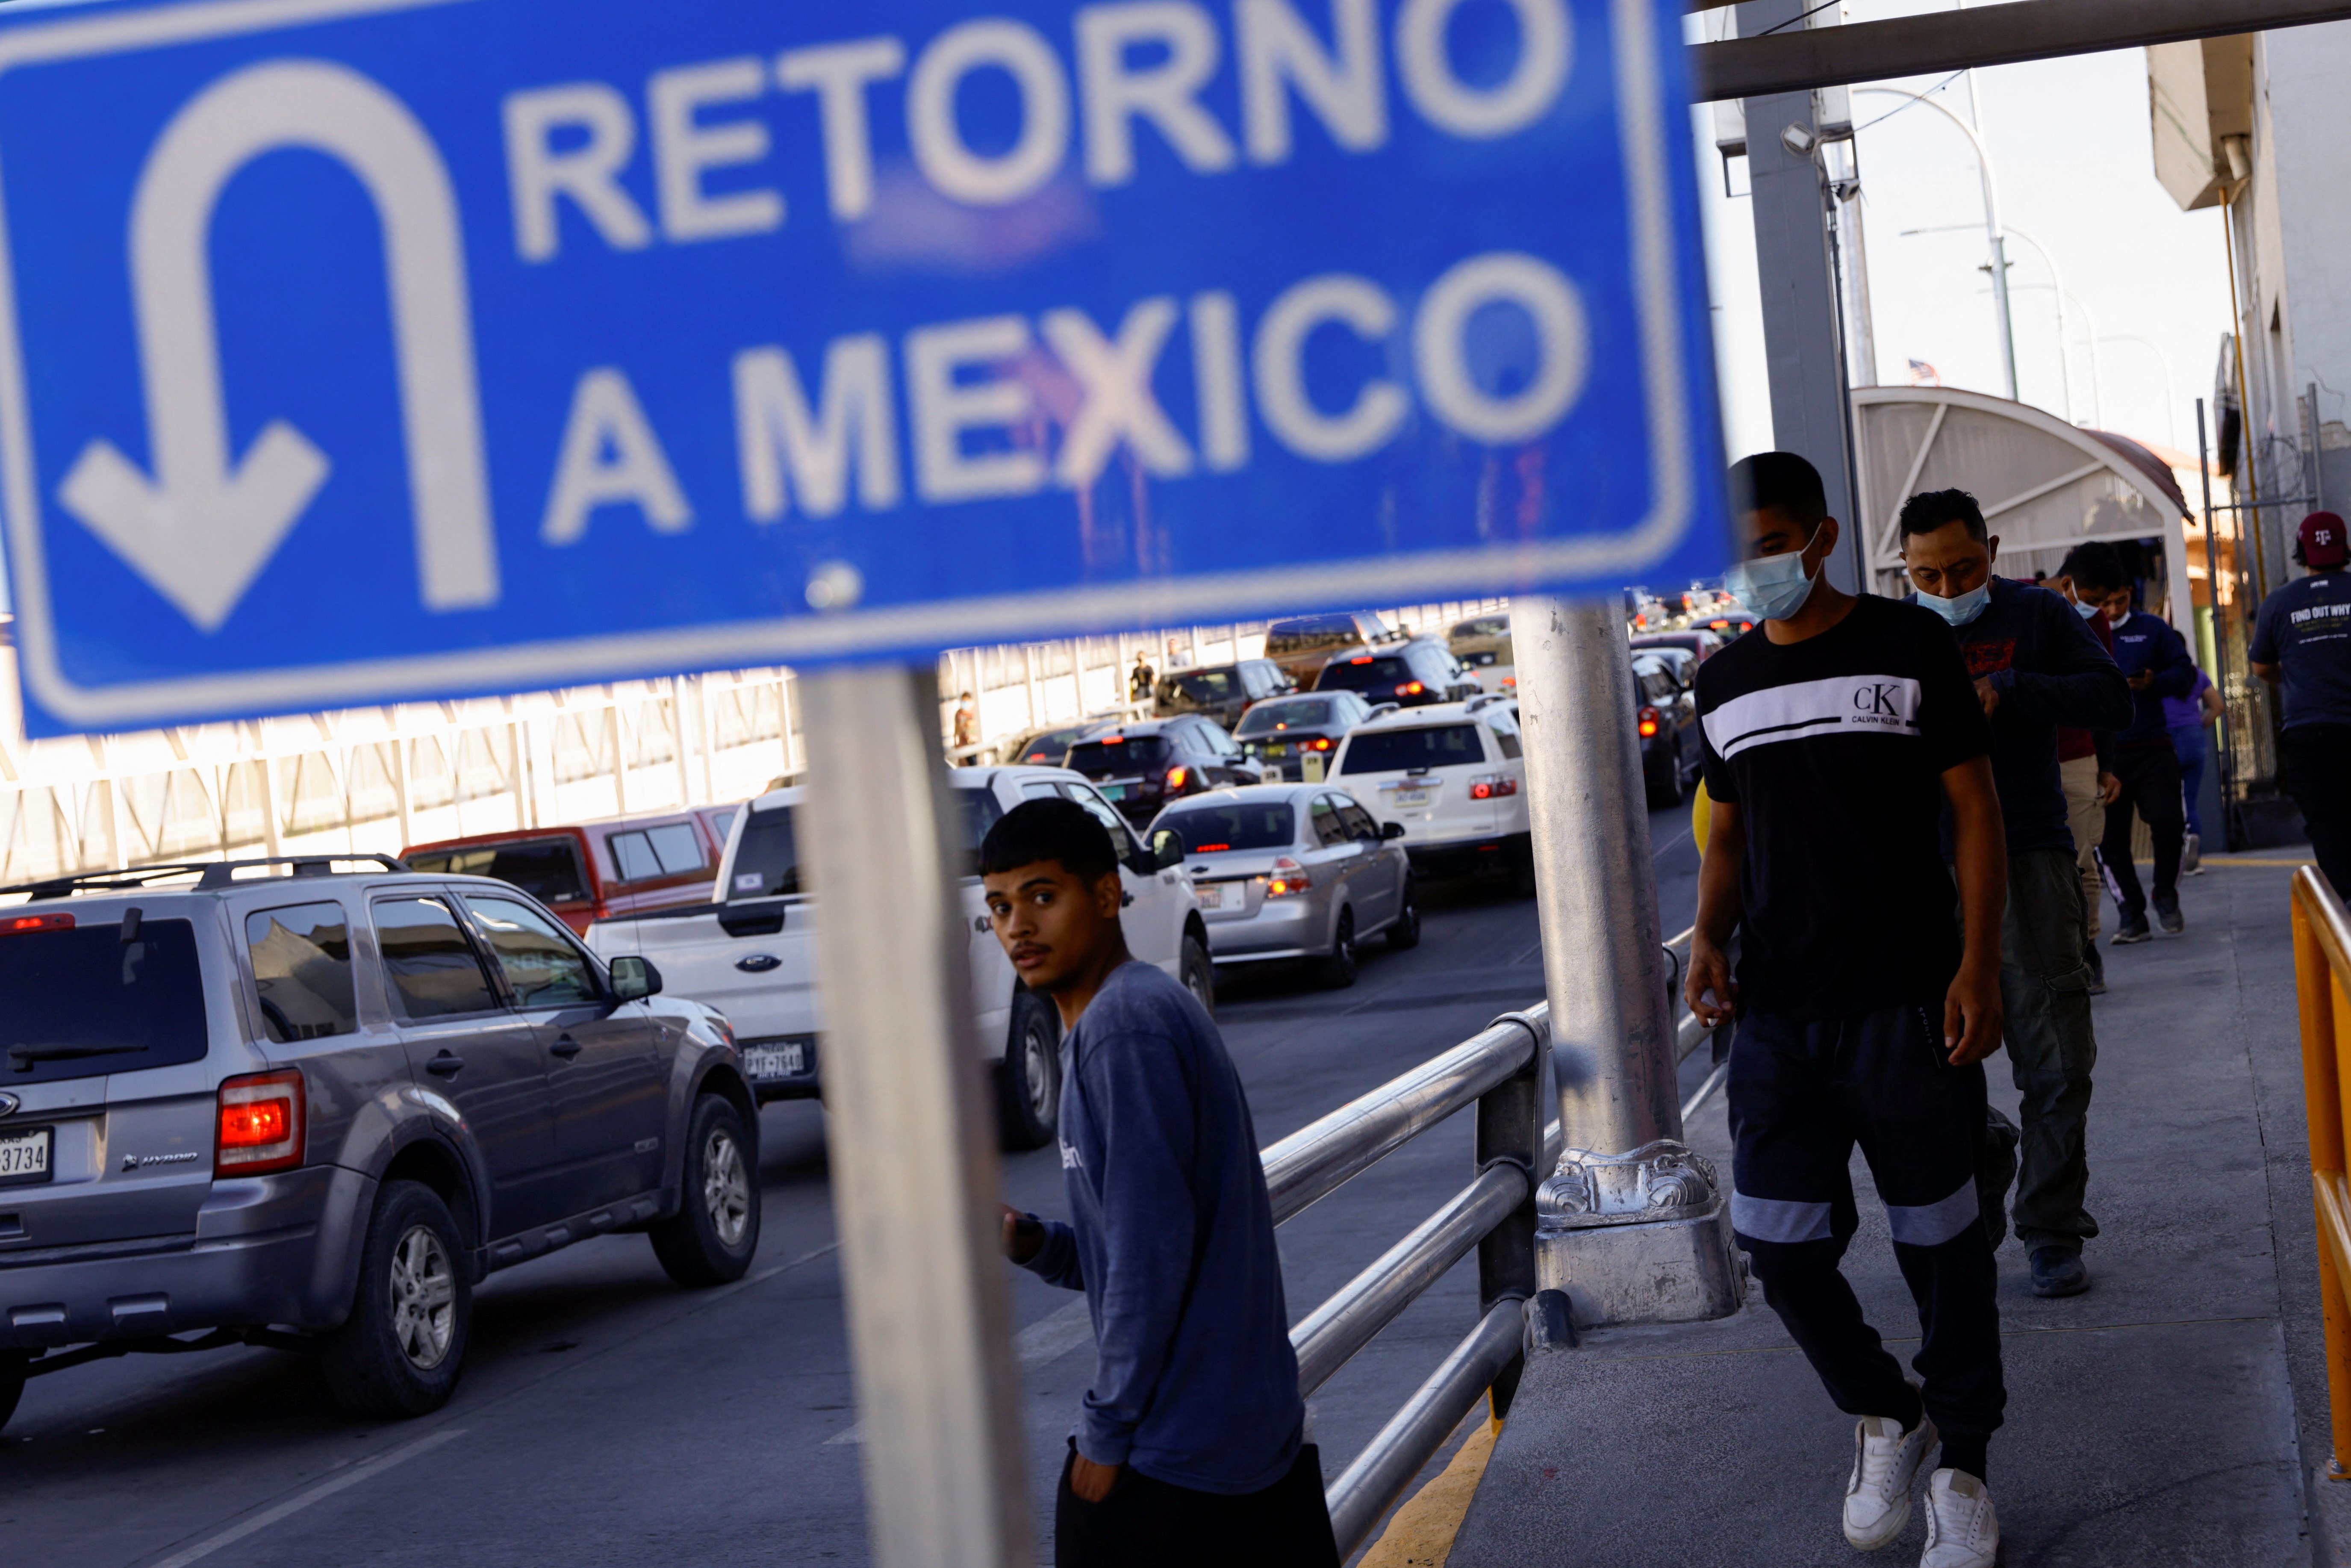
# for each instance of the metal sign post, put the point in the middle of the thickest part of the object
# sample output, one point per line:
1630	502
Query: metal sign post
913	1172
1632	1226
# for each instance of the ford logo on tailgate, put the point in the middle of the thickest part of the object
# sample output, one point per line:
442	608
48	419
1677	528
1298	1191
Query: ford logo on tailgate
756	964
8	1104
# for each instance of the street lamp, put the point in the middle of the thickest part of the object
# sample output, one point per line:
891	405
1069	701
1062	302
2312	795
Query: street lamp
1992	231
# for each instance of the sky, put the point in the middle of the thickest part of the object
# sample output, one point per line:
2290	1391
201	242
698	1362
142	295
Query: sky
2069	144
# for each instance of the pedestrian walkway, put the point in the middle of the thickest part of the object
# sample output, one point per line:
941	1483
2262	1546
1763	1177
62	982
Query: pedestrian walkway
2173	1414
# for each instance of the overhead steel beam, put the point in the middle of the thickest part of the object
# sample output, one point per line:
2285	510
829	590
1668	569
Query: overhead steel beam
1801	58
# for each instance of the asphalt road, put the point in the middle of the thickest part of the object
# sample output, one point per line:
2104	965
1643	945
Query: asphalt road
609	1417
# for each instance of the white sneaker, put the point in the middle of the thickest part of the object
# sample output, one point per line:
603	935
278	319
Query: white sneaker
1963	1531
1886	1460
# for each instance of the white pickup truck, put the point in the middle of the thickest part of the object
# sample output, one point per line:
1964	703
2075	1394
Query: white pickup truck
752	956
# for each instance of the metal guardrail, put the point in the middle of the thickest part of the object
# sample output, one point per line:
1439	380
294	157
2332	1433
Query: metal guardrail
1499	1072
2322	970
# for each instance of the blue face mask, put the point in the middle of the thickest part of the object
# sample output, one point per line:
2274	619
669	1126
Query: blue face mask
2085	609
1960	611
1774	587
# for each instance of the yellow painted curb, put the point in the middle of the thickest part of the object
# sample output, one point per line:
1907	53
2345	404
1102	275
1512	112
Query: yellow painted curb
1420	1533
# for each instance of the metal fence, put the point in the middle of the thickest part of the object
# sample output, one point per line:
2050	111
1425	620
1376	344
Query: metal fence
1499	1070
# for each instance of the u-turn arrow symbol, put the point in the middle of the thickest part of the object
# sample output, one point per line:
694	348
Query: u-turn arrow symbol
203	527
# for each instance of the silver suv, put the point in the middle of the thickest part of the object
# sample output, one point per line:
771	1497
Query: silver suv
293	1106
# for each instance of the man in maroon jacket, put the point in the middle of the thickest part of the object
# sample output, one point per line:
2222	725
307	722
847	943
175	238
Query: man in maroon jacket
2089	785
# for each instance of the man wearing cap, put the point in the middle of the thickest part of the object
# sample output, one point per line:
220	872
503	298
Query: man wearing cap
2302	640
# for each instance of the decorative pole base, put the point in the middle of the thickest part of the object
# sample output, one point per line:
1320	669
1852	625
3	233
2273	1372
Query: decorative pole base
1643	1238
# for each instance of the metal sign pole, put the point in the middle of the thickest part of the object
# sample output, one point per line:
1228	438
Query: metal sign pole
1632	1225
913	1167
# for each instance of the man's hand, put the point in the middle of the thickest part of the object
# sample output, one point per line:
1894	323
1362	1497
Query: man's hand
1988	695
1022	1236
1709	976
2141	681
2110	789
1090	1480
1972	1014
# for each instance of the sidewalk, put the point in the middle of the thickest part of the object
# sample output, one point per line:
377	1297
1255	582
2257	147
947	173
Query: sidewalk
2172	1415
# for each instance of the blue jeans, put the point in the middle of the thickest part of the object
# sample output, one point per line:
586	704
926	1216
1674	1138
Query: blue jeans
2188	741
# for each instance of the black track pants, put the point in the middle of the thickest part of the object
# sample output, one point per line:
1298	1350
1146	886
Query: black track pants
1801	1096
2314	766
2150	776
1147	1523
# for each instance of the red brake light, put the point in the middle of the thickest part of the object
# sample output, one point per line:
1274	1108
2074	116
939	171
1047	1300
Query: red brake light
1493	787
1113	740
262	1124
1210	849
1649	720
1323	743
1410	689
17	926
1175	776
1360	659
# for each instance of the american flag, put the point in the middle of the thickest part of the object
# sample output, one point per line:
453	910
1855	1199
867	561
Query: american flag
1923	374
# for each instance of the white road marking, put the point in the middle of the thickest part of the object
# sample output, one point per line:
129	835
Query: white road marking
1045	1341
302	1500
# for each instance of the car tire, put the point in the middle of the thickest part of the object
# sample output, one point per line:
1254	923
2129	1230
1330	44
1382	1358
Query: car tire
1198	974
12	1381
1337	971
1029	1079
401	1350
711	1239
1669	790
1404	932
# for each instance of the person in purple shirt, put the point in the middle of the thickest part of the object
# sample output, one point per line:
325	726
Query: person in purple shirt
2186	718
1190	1446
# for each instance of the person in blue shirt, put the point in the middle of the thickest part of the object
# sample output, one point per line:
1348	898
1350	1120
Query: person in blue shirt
2155	661
1190	1447
2302	639
2036	665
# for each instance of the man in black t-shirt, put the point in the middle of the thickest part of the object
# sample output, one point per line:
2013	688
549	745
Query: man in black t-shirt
2302	639
1835	732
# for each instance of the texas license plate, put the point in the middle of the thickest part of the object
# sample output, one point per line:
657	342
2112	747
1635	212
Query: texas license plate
776	1061
25	1156
1411	797
1212	897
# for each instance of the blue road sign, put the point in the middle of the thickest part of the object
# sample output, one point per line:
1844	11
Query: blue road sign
362	350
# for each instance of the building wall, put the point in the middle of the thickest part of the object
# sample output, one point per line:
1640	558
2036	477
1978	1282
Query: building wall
2303	77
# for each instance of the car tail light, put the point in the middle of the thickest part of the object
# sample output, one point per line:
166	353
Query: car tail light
1175	776
1113	740
1360	659
1288	879
17	926
1410	689
1492	787
261	1123
1650	719
1322	742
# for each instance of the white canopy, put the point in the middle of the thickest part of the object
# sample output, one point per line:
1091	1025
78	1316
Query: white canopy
2044	486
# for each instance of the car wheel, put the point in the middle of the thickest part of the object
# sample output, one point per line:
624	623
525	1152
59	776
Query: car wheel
1337	971
12	1382
399	1351
1200	976
1029	1080
712	1236
1406	932
1669	790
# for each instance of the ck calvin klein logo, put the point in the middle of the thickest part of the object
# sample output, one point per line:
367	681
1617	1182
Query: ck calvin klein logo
1877	698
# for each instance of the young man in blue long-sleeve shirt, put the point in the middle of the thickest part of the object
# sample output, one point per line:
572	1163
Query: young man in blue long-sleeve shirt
2155	661
1190	1444
2036	665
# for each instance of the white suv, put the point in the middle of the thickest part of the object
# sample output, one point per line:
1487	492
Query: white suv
1450	774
